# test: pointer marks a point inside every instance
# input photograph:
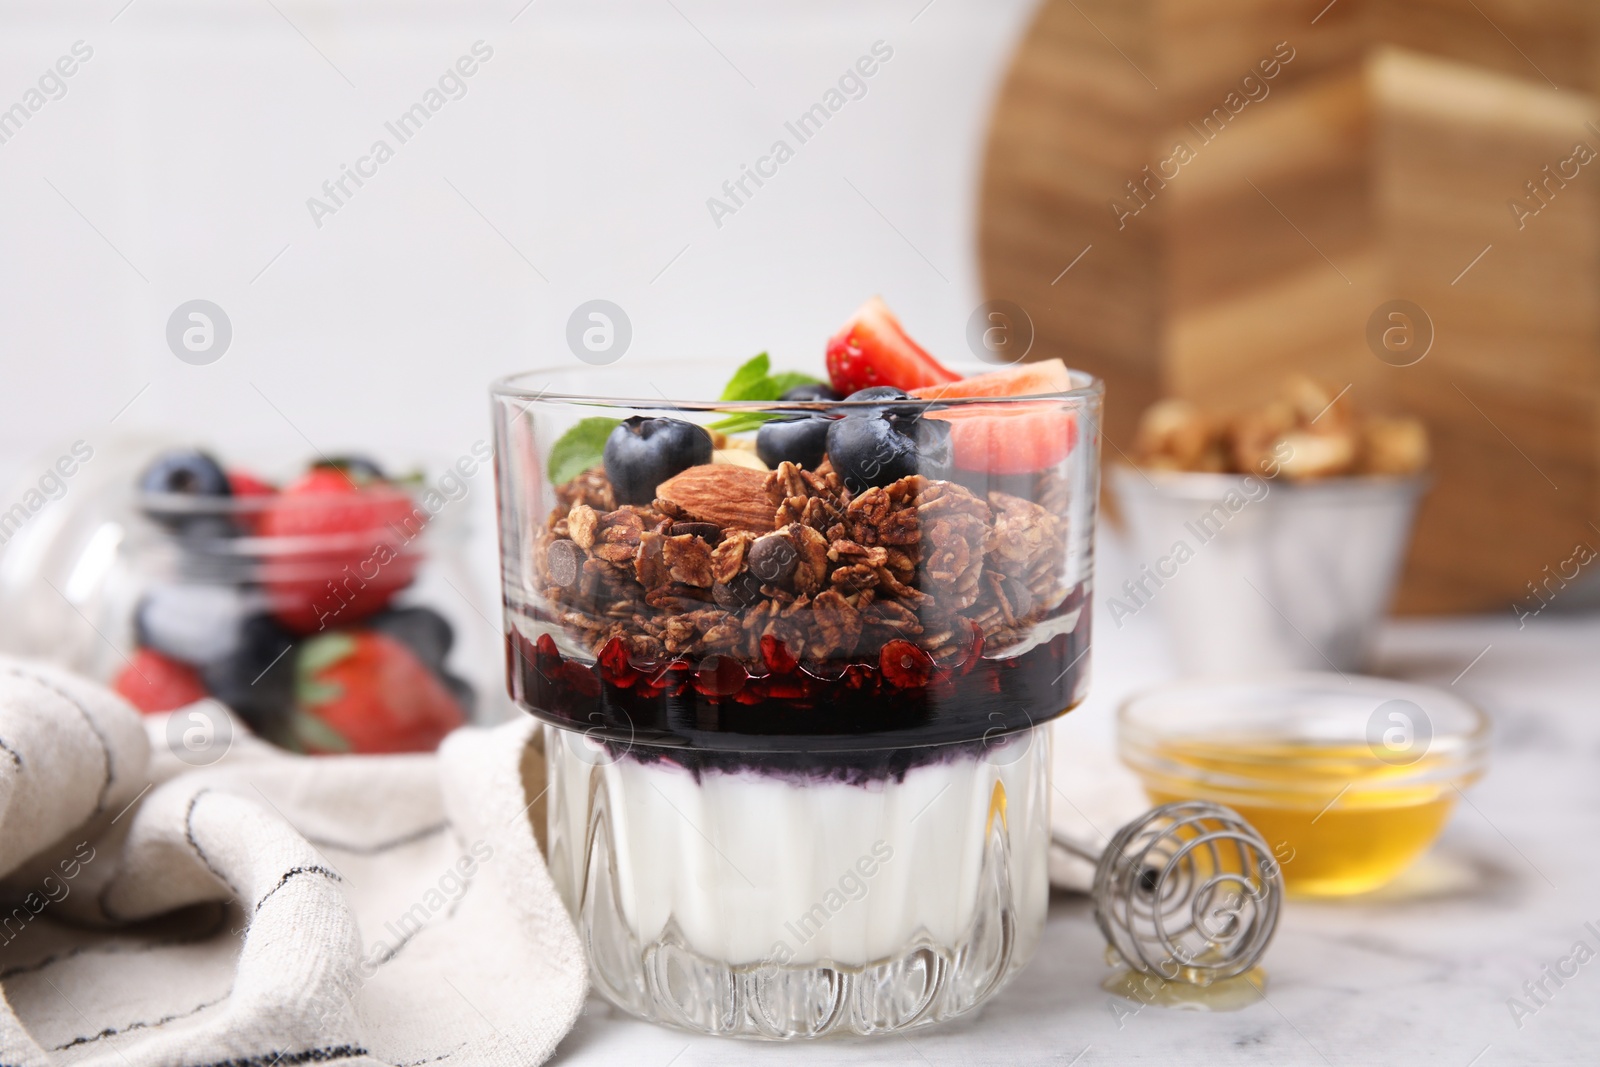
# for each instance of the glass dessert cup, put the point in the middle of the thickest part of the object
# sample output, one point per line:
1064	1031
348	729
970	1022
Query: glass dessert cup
799	766
1348	779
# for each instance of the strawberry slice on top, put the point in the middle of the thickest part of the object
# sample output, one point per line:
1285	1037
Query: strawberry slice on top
1016	438
874	349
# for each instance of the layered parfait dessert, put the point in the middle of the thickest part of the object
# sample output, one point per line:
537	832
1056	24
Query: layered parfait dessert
798	643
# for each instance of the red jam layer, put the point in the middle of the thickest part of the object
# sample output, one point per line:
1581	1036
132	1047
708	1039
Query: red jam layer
900	699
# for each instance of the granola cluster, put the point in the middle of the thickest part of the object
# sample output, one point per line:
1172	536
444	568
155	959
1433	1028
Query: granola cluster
832	575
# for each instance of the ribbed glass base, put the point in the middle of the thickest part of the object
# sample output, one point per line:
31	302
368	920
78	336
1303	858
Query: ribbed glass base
788	993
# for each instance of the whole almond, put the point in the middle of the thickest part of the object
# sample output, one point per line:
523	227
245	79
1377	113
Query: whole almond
732	497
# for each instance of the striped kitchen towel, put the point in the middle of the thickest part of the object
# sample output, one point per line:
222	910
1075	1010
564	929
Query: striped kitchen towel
174	892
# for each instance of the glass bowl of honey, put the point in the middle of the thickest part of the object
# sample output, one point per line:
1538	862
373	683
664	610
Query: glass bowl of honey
1349	779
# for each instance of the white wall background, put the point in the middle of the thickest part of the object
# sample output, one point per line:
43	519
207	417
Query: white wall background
179	163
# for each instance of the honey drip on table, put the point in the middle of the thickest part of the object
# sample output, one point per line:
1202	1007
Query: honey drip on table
1148	990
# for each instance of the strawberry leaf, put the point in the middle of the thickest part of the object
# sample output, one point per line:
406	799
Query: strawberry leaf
311	733
580	448
315	656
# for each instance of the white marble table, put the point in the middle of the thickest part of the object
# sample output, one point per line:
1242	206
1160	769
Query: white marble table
1418	974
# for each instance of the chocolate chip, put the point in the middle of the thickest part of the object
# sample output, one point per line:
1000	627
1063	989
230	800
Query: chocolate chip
708	532
743	592
773	559
564	560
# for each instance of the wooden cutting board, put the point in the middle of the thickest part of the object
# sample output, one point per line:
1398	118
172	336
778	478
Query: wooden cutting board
1199	201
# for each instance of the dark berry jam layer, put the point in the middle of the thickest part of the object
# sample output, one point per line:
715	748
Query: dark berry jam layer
812	715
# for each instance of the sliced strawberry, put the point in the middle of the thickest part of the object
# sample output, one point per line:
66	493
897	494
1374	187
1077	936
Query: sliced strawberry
1026	379
873	349
1009	438
152	682
366	692
351	551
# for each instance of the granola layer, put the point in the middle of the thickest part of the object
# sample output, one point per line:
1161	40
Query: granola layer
834	576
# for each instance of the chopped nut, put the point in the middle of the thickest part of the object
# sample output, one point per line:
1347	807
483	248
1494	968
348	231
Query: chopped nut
582	522
718	493
1173	433
1394	446
1316	455
1311	431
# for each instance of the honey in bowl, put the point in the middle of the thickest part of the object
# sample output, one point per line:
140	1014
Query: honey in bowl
1348	779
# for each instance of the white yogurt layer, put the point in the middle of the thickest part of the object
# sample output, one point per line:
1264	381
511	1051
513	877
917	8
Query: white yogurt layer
754	868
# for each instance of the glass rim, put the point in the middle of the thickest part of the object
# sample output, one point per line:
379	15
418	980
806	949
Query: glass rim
510	387
1458	753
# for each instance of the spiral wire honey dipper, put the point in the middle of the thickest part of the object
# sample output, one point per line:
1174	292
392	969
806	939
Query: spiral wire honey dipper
1189	892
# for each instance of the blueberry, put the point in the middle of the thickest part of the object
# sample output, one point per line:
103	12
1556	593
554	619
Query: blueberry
878	392
811	392
643	452
197	624
187	471
881	447
799	439
422	630
257	679
182	473
887	393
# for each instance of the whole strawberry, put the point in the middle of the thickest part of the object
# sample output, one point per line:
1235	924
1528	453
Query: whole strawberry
152	682
366	692
346	547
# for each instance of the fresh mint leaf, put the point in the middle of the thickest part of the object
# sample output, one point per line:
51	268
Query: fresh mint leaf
749	381
784	381
741	422
755	381
580	448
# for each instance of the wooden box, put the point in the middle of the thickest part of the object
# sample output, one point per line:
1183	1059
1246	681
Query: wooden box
1240	193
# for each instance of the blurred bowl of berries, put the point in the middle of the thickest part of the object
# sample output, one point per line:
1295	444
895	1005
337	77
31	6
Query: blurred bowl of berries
325	610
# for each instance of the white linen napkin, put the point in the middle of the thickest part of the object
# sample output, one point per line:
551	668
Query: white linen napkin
268	909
